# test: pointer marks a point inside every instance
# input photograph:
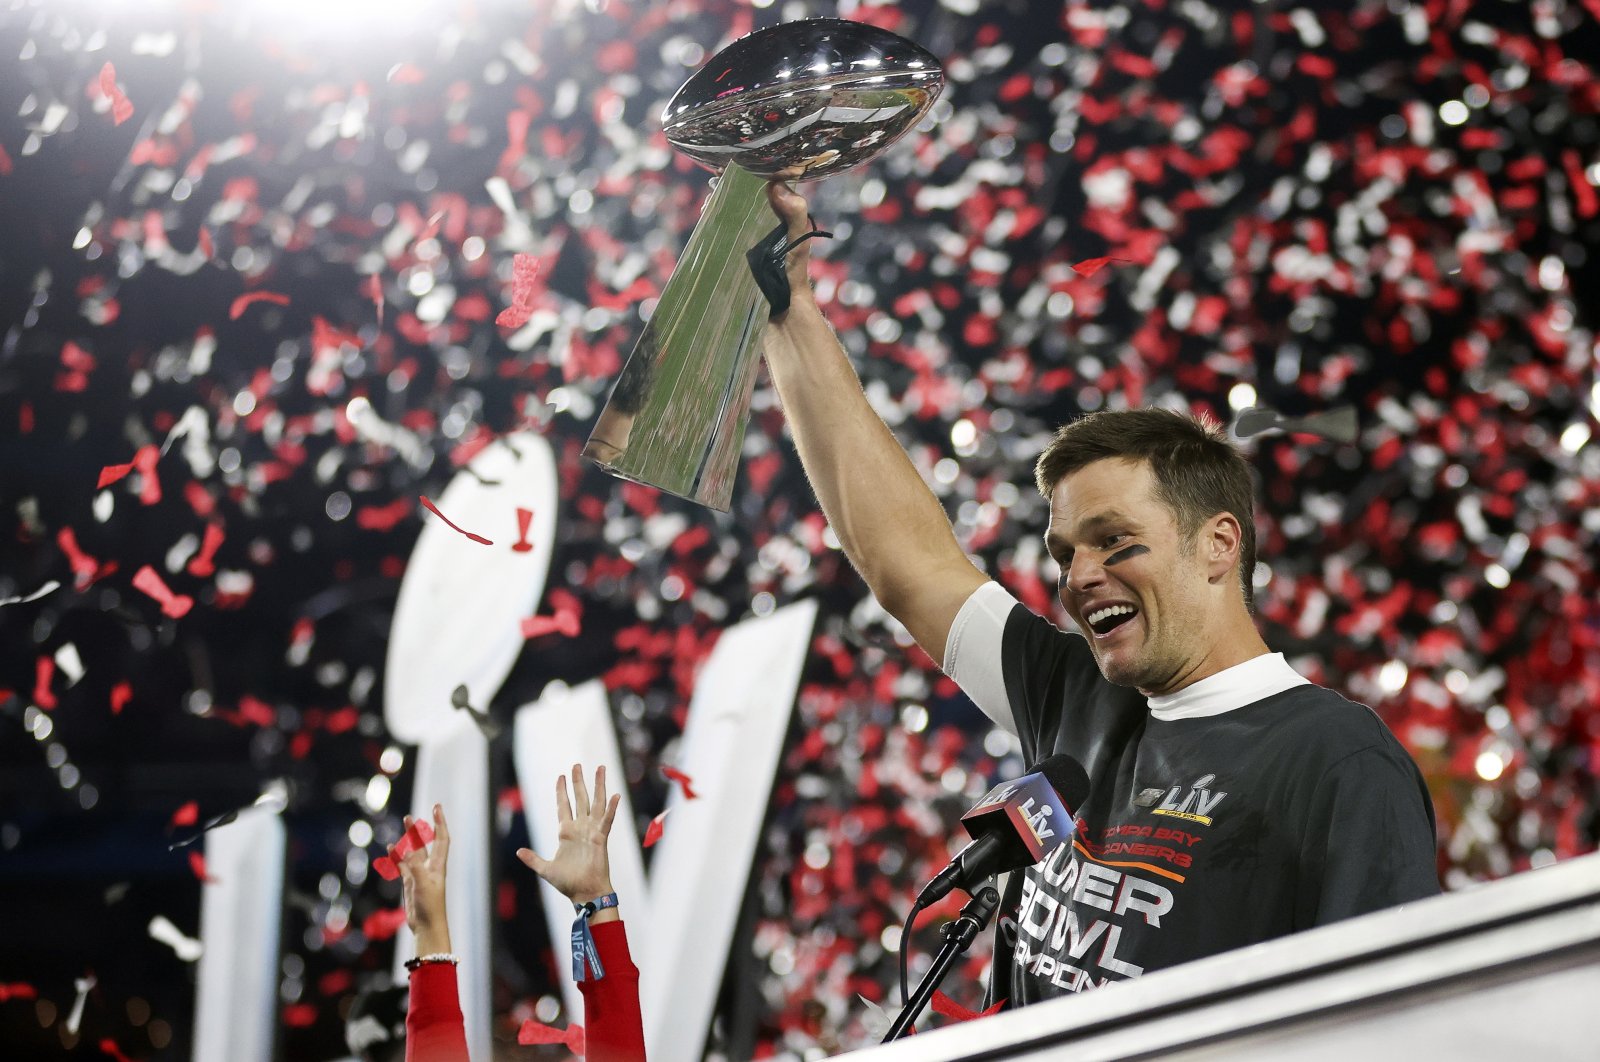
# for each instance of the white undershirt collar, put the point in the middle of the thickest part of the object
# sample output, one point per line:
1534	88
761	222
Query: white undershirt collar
1231	688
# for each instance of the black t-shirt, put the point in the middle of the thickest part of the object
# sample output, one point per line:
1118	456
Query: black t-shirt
1199	834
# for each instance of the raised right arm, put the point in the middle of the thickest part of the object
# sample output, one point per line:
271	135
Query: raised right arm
892	527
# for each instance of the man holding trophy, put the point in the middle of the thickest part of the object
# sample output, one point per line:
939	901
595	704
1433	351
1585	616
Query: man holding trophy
1260	804
1231	801
800	101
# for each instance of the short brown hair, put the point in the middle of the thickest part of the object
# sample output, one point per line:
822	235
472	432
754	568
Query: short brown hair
1198	472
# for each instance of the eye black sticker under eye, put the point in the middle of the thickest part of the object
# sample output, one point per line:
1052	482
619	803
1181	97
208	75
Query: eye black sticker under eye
1126	554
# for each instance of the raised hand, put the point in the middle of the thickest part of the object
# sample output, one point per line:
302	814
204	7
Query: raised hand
790	206
792	210
581	867
422	875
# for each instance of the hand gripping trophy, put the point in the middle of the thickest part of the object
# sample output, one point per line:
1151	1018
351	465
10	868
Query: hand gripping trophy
800	101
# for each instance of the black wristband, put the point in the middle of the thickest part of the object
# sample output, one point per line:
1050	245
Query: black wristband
768	259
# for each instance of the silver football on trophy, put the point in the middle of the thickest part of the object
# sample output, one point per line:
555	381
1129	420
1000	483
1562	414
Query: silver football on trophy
795	102
803	100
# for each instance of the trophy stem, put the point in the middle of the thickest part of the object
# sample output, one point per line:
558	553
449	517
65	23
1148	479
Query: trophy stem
676	418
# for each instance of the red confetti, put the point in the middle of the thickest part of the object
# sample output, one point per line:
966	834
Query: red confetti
300	1015
382	517
533	1032
121	694
616	56
652	833
187	815
562	622
44	670
430	231
335	982
373	287
18	990
943	1004
524	522
144	462
343	720
1317	66
149	482
434	509
1585	198
5	163
199	499
301	636
207	247
524	268
516	139
175	605
254	710
121	107
505	901
1090	266
381	925
672	774
85	569
204	563
418	835
75	357
108	1045
471	446
197	864
565	601
250	298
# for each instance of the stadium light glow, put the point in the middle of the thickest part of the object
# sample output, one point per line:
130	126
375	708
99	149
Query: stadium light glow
1490	765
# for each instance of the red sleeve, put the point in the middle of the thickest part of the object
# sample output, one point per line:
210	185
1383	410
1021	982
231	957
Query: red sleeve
612	1028
435	1030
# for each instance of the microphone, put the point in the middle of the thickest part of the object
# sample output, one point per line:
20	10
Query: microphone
1015	825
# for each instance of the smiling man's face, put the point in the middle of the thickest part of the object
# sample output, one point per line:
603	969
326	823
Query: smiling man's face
1143	596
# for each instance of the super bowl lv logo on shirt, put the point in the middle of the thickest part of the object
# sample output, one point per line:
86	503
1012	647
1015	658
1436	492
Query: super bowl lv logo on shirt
1089	905
1194	804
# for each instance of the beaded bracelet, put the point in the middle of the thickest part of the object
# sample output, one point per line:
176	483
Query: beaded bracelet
424	960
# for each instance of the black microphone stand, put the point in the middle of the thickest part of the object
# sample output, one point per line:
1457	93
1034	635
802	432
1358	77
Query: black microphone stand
958	936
